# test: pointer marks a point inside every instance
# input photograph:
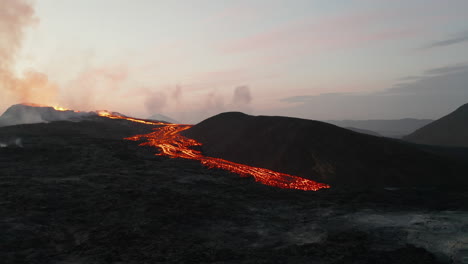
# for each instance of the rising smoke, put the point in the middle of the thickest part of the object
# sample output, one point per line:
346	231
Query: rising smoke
155	102
92	88
95	87
211	103
15	17
17	142
89	90
242	96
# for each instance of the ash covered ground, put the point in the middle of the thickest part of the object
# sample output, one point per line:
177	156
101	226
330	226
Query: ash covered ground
75	192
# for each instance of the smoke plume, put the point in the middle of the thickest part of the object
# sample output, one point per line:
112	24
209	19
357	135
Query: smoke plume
96	88
15	17
241	96
177	93
155	102
16	142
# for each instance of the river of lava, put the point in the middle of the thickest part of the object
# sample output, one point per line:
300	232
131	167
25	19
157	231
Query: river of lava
174	145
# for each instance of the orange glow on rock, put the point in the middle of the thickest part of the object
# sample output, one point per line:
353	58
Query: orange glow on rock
58	108
168	139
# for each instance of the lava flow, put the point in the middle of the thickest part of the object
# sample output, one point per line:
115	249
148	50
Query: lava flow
172	144
112	115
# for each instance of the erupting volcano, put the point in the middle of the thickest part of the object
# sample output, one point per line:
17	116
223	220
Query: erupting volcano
167	137
96	175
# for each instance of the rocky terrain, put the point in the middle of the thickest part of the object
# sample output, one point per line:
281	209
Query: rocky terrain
450	130
75	192
325	153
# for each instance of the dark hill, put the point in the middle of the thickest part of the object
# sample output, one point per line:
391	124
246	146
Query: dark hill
322	152
77	193
450	130
364	131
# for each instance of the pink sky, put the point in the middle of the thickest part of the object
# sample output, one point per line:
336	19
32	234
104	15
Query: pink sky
123	56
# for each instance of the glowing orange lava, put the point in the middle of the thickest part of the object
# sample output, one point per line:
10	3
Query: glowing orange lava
172	144
58	108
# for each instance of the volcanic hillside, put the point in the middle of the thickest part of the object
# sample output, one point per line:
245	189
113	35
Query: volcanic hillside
75	192
450	130
31	113
322	152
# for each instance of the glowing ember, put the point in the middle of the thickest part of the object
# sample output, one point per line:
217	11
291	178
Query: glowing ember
172	144
58	108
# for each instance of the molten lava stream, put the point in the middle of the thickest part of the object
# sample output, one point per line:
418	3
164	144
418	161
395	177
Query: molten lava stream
110	115
174	145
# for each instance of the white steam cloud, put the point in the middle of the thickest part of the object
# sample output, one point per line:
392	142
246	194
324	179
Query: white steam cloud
15	17
242	96
17	142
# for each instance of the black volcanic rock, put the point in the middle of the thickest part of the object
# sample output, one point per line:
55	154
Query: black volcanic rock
75	192
322	152
450	130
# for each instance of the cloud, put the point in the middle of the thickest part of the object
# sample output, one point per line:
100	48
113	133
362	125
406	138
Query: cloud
459	38
177	93
234	13
15	17
300	32
409	78
242	96
213	102
92	88
436	93
221	78
96	88
306	98
447	69
156	102
315	34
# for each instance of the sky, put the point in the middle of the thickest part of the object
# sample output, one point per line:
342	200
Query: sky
191	59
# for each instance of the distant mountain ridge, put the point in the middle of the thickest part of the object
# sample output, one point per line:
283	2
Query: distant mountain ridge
160	117
450	130
364	131
323	152
390	128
